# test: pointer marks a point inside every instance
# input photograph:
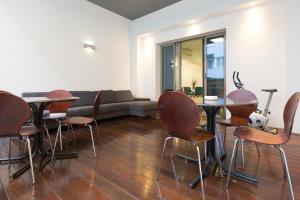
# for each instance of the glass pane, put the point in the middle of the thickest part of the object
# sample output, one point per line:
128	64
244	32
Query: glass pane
215	50
168	68
192	67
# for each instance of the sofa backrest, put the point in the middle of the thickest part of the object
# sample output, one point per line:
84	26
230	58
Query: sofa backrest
34	94
86	98
108	96
124	95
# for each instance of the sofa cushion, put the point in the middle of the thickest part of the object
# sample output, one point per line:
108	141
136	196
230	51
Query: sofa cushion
143	105
108	96
86	98
113	107
124	95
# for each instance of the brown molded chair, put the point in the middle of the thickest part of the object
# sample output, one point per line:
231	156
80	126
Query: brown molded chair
14	112
262	137
57	111
239	114
85	121
181	116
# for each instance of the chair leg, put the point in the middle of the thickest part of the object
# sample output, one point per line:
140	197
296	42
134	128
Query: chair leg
283	164
55	143
287	171
200	170
162	155
173	148
97	128
186	151
232	158
219	155
60	138
224	141
243	157
172	154
235	158
48	135
9	153
257	149
92	137
30	159
73	132
205	151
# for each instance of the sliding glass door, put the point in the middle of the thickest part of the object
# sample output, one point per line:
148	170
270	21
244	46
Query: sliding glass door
196	66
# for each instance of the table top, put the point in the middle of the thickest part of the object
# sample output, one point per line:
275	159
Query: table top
48	100
223	102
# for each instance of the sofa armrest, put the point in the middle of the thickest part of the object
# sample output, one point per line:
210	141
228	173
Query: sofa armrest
141	99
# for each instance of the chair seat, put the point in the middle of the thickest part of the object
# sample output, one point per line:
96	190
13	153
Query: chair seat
232	122
200	135
55	116
78	120
29	130
259	136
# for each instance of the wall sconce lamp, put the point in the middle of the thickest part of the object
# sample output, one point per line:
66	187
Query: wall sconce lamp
89	46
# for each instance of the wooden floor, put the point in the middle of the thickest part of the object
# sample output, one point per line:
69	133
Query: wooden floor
128	151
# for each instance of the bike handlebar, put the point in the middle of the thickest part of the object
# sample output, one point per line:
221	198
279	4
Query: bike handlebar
269	90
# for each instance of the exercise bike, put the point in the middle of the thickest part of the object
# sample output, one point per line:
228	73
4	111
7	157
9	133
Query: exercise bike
259	118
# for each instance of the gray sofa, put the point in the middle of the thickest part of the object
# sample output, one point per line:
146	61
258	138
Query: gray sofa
113	104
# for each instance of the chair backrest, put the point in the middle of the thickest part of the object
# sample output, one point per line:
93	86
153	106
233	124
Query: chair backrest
240	113
179	113
59	107
14	112
97	102
187	90
242	95
199	91
2	91
289	114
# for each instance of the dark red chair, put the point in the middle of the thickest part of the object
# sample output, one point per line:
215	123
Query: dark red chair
262	137
239	114
57	111
84	121
14	112
181	116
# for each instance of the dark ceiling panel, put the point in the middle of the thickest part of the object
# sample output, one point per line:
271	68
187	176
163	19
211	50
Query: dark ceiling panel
133	9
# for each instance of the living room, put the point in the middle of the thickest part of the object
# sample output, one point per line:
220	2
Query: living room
116	51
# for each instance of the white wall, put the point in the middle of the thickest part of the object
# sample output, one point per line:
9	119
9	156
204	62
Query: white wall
41	46
256	45
293	45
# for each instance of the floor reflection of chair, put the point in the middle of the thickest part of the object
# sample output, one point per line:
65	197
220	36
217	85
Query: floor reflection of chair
181	116
262	137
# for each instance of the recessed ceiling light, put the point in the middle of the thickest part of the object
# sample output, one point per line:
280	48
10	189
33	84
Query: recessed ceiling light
216	40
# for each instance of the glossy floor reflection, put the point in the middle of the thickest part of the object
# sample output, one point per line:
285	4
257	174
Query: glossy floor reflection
128	155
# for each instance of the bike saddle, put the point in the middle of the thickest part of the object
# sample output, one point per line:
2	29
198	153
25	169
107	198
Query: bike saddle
269	90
